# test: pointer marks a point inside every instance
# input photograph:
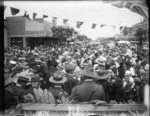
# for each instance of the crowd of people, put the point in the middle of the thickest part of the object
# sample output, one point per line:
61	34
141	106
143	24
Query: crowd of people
96	74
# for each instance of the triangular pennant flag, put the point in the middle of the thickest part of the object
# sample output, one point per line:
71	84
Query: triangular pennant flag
25	14
4	8
34	15
14	11
102	26
54	20
45	16
121	27
65	21
78	24
93	26
28	17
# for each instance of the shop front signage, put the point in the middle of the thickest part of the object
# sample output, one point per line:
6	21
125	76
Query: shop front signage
35	34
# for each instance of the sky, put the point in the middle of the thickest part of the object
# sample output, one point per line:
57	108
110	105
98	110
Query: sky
88	12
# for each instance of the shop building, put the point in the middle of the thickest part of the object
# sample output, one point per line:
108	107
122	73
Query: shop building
28	32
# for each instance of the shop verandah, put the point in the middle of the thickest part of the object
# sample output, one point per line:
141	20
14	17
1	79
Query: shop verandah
37	41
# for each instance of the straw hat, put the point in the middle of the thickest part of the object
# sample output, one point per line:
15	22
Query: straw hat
8	79
100	61
24	77
58	77
13	62
147	67
89	71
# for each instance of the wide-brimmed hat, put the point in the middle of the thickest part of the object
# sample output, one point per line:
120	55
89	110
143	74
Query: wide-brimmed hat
147	67
103	74
100	61
89	71
8	79
58	77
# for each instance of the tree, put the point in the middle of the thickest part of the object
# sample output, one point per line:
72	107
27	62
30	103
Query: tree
82	38
62	33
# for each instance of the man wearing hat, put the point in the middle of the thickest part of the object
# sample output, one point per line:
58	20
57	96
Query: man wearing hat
100	63
12	65
88	90
35	83
127	85
142	74
136	97
71	82
103	80
20	86
58	79
10	97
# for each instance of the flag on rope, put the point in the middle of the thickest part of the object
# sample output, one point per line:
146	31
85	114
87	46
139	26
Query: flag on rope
45	16
34	15
54	20
78	24
102	26
93	26
121	27
65	21
25	15
4	8
28	17
14	11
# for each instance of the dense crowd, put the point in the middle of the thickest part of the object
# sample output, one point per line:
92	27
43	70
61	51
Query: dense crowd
96	74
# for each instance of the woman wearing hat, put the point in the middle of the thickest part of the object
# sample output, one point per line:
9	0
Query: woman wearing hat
59	94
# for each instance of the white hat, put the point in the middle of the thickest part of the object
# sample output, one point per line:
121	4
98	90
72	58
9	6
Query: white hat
13	62
115	58
36	54
127	72
146	67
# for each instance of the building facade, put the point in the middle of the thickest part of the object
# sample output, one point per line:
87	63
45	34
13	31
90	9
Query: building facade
24	32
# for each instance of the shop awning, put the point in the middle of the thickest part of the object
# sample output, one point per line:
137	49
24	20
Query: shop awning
137	6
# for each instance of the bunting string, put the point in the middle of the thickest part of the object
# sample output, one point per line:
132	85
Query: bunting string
15	11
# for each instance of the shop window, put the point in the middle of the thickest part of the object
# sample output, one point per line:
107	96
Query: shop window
16	41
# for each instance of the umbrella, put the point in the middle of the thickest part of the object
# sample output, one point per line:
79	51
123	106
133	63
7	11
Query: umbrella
139	7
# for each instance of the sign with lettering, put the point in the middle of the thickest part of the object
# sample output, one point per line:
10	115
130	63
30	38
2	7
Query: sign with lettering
36	33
